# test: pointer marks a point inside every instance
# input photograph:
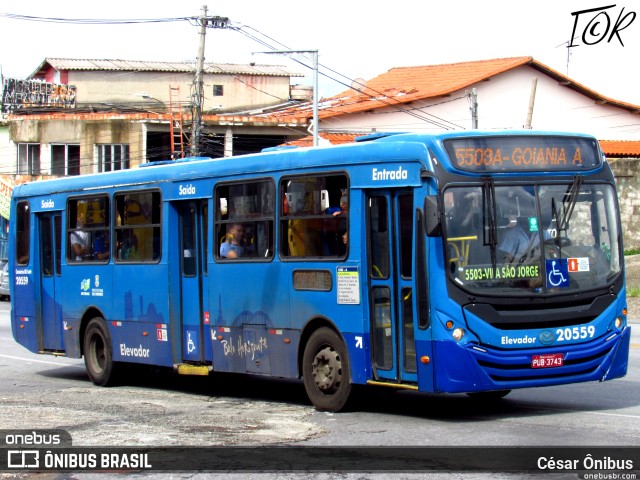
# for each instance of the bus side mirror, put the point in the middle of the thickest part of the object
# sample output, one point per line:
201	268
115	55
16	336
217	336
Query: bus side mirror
433	226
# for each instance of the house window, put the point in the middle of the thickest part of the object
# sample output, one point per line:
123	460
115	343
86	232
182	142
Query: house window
28	159
218	90
113	157
65	159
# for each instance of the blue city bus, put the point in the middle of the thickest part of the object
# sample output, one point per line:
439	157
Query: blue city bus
463	262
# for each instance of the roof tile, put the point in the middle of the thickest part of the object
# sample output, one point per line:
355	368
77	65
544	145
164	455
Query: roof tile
620	148
150	66
402	85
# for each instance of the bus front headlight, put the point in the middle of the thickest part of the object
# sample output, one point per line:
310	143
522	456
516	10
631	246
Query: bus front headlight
457	334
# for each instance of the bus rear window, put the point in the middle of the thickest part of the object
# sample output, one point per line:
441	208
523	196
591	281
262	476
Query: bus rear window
22	234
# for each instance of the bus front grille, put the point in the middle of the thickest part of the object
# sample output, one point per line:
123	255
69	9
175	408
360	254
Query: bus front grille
579	361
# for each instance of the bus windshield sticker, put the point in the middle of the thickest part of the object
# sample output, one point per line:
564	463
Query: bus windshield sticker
348	279
477	273
578	264
557	273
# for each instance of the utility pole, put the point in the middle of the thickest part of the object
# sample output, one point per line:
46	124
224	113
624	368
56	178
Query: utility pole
532	99
314	54
473	96
198	95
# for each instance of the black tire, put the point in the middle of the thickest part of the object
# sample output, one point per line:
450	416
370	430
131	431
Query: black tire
325	371
488	396
98	353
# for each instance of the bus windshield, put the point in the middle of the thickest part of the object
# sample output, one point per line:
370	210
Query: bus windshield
523	239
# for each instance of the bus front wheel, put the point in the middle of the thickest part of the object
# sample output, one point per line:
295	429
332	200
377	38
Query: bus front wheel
325	371
98	353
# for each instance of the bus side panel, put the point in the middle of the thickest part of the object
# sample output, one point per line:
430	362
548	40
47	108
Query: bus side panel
23	301
242	320
349	319
426	370
140	342
358	345
139	316
224	345
620	357
283	350
140	293
456	371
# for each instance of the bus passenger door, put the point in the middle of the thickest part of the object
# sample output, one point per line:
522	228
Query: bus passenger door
192	242
390	221
49	226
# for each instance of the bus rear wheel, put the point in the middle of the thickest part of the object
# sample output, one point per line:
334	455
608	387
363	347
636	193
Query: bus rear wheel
98	353
325	371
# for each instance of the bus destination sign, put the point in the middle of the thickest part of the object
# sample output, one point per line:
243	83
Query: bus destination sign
523	153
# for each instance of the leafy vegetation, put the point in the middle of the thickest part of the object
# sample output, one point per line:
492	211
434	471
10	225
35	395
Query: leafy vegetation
633	292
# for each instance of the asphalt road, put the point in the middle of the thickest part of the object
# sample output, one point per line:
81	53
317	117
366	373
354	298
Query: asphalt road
157	408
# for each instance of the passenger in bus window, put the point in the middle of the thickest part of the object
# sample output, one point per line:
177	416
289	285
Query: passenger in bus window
79	239
128	246
341	210
231	247
101	246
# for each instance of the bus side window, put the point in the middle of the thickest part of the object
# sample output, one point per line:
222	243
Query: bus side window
88	229
138	227
244	220
314	216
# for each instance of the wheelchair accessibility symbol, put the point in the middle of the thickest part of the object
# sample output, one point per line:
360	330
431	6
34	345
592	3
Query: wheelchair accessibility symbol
557	273
191	343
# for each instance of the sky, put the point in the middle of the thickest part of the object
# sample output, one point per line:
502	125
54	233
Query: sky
354	39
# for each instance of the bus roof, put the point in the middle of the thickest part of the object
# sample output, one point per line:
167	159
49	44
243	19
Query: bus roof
290	161
378	148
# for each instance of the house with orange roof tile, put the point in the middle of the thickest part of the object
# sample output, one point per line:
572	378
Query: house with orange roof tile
504	93
490	94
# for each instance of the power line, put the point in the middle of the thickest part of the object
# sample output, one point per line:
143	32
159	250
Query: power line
396	104
385	100
93	21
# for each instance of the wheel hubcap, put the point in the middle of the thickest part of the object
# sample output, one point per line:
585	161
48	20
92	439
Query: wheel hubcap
327	370
97	353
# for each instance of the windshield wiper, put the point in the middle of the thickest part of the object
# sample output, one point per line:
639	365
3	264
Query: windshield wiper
568	204
490	228
570	197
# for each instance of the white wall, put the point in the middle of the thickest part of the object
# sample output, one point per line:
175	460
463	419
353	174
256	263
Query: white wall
503	102
7	152
240	91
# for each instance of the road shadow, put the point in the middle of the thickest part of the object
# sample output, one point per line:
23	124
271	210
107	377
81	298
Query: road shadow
68	372
586	397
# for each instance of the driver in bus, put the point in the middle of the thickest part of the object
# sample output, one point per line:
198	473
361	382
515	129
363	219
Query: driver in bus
514	243
231	247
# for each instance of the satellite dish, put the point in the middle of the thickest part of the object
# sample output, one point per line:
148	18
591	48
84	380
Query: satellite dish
359	84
